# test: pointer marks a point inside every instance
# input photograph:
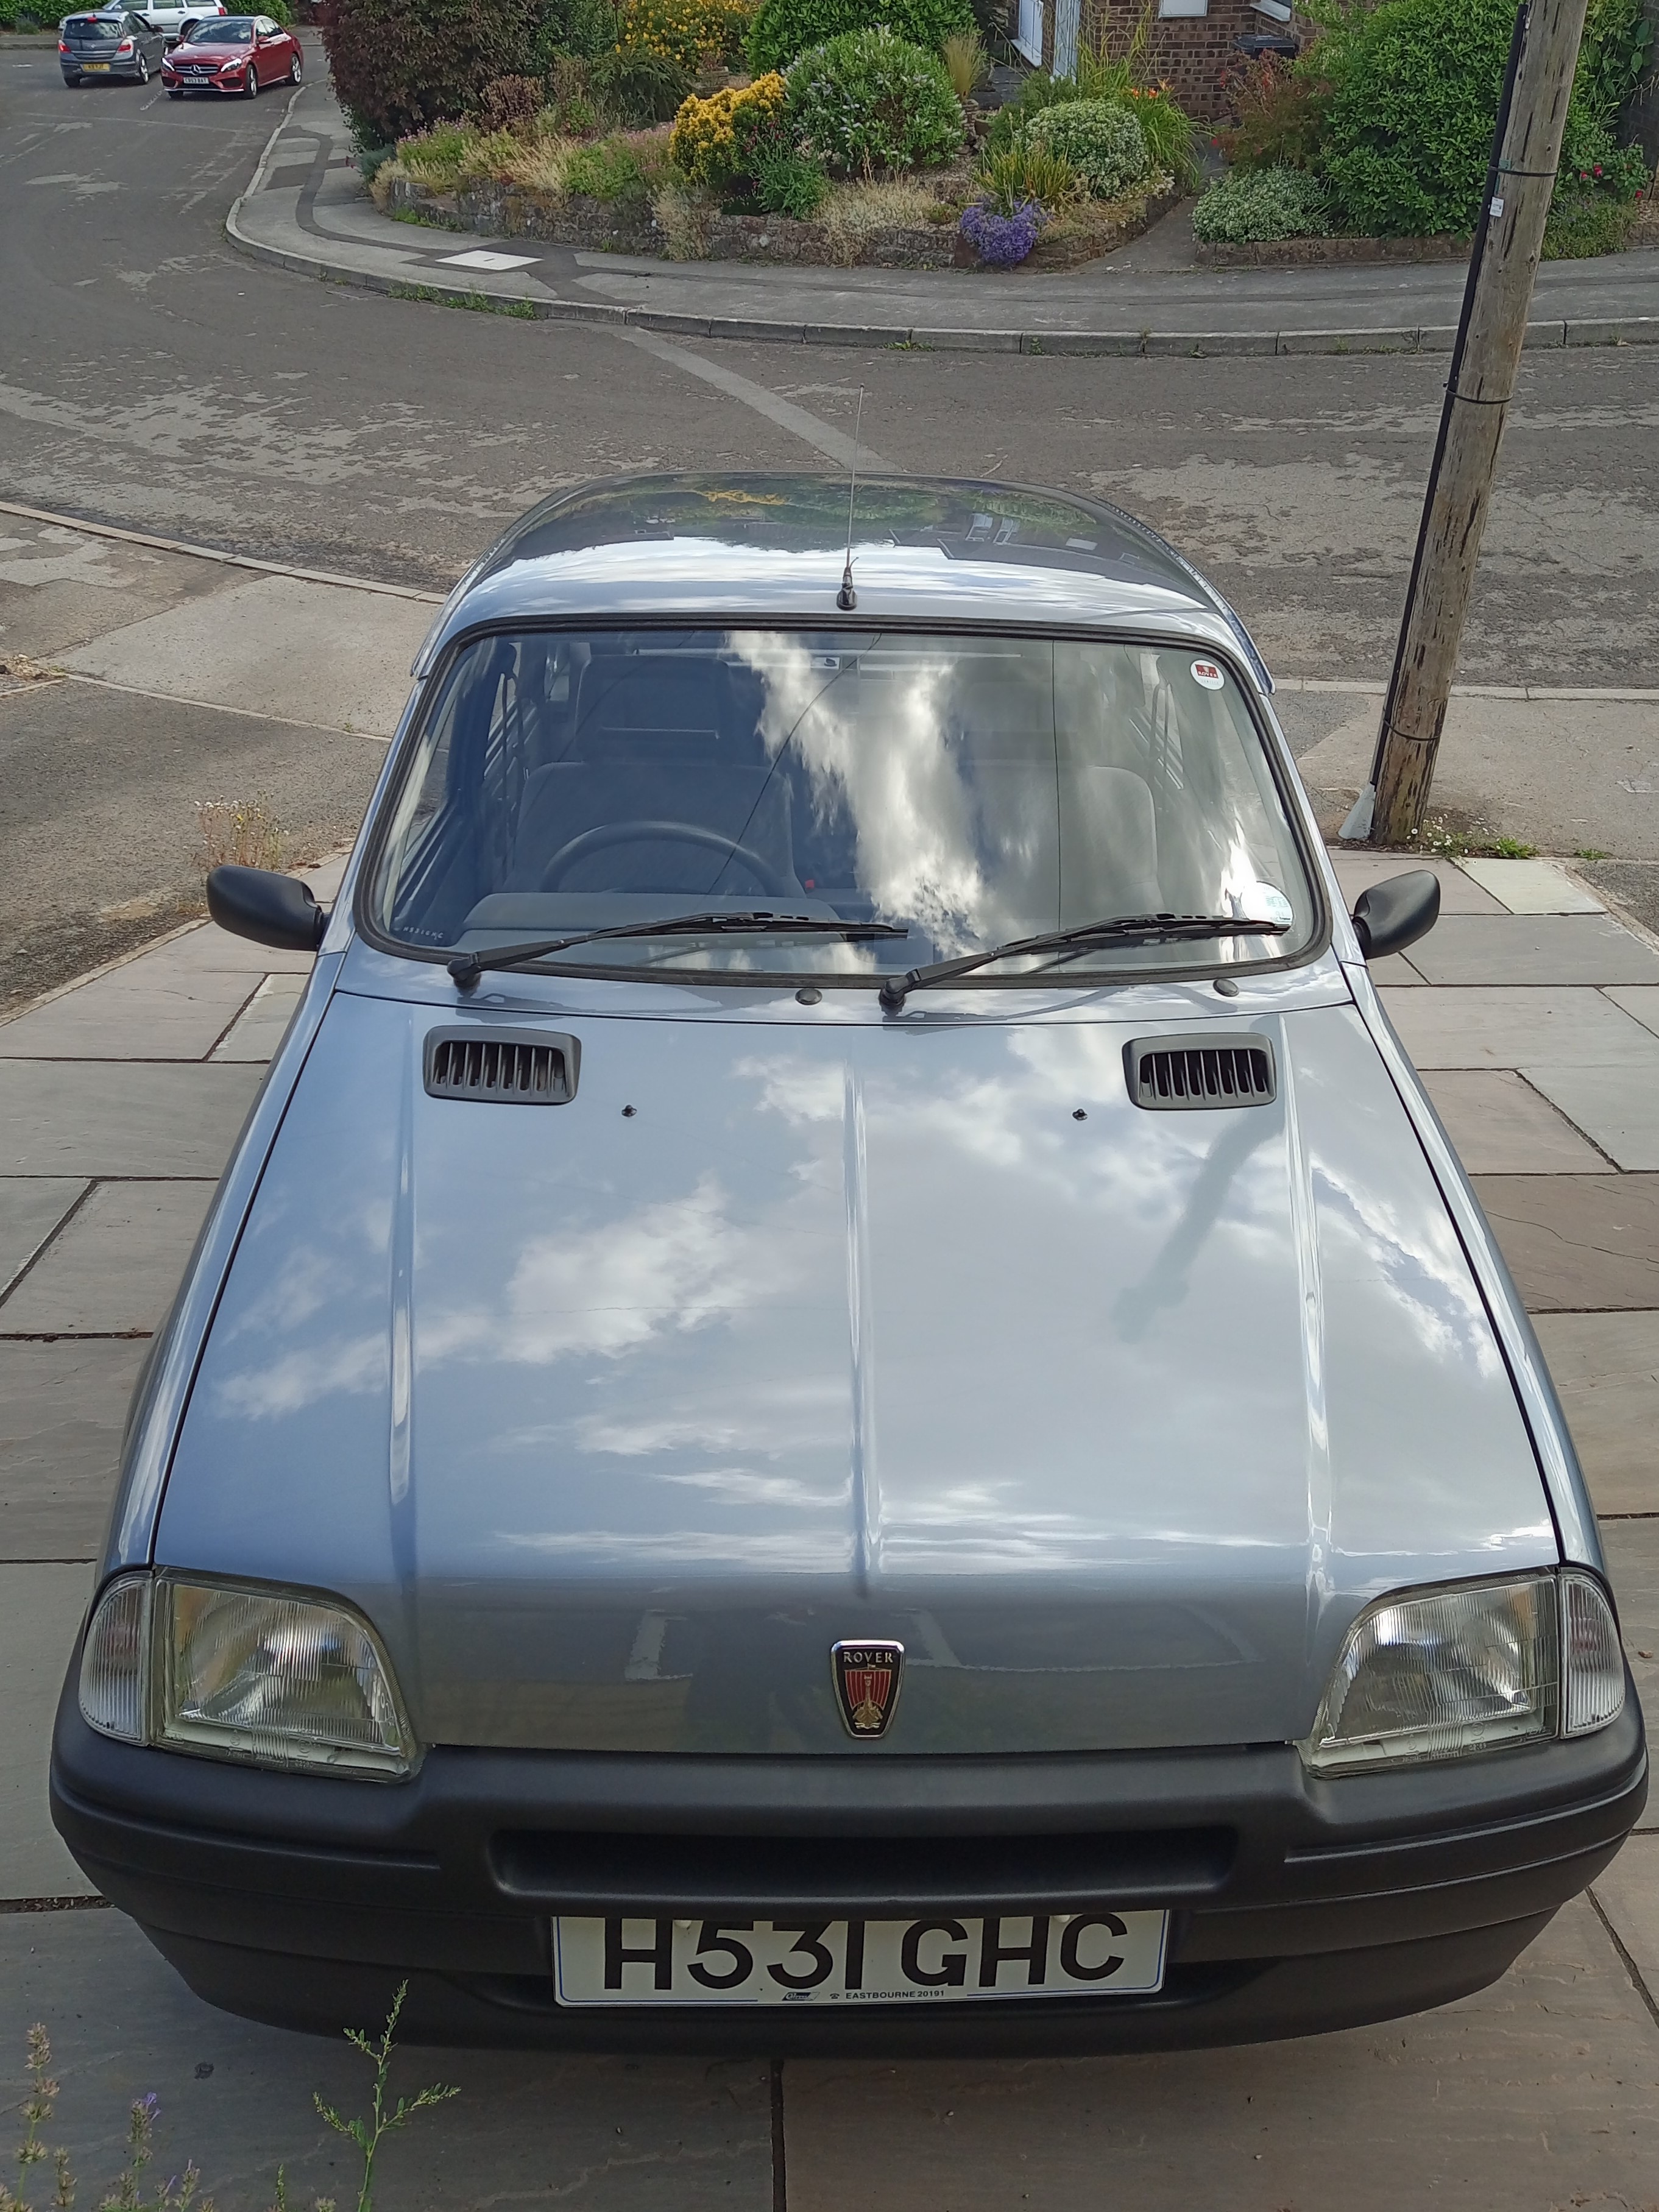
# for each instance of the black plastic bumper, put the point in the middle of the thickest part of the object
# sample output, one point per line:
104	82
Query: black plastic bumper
1297	1906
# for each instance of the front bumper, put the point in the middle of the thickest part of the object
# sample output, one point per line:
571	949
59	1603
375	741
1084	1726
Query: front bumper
175	82
1297	1906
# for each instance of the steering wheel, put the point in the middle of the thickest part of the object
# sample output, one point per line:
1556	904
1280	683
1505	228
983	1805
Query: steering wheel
607	833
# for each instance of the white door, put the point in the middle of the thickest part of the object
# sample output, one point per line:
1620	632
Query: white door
1028	37
1067	16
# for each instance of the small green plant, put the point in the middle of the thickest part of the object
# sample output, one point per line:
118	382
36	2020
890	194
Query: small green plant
1024	173
1512	849
37	2106
428	221
638	86
869	104
1171	147
384	2119
1591	853
474	303
243	832
609	170
1101	141
965	62
1250	205
788	183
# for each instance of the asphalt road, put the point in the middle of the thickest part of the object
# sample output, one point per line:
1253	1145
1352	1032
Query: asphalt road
148	376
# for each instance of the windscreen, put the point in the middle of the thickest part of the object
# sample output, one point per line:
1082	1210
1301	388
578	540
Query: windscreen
231	33
965	790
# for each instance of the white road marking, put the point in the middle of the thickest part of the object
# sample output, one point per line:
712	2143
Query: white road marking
833	444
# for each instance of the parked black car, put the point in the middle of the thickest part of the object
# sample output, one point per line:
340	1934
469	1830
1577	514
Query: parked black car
108	42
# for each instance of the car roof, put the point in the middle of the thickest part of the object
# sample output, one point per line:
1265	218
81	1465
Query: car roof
772	547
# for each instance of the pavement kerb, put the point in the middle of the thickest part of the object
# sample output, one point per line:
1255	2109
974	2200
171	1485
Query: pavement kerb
501	298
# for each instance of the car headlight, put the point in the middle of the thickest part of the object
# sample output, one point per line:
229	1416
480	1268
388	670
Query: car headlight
233	1671
1470	1667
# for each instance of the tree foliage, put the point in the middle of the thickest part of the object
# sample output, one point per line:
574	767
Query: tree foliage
400	65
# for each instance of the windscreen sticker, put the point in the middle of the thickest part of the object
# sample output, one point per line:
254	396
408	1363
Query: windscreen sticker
1266	902
1206	673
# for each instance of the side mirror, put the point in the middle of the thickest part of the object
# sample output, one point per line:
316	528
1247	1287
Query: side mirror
270	908
1389	917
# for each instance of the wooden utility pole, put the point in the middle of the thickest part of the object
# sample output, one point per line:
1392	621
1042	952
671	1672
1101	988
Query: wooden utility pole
1526	154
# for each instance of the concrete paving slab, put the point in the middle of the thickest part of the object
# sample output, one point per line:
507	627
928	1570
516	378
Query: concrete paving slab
1564	774
1532	949
144	1010
609	2135
1536	2093
211	951
1640	1002
1532	886
41	1609
1628	1892
1504	1026
1500	1125
1605	1367
1459	893
63	1409
29	1211
1617	1107
1632	1557
1579	1243
258	1027
75	1118
115	1268
304	653
60	587
1394	970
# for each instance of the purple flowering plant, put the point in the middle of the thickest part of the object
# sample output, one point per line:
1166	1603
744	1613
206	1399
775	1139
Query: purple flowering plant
1002	241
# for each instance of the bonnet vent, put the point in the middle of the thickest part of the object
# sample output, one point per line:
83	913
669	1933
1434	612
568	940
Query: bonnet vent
1188	1074
510	1067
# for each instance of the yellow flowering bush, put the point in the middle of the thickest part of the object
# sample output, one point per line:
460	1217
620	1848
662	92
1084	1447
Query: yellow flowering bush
692	32
714	141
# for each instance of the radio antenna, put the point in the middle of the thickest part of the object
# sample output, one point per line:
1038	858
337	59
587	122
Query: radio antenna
847	598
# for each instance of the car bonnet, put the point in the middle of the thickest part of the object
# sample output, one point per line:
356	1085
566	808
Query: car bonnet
615	1421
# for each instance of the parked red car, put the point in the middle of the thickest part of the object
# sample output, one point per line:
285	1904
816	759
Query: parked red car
233	53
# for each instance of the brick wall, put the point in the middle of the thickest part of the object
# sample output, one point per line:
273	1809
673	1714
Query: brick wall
1190	52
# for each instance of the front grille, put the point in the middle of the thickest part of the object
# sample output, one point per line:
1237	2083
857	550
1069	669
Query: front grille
502	1066
870	1875
1186	1074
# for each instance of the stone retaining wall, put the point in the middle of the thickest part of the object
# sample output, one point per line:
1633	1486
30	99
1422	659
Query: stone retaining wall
594	227
1308	252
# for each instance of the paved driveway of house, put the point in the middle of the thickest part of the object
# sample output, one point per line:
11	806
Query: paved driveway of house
1534	1016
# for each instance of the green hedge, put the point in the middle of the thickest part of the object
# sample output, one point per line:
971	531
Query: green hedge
785	29
399	65
1408	134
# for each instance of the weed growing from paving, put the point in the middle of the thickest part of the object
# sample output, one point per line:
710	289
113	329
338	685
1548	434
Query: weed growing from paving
476	303
181	2192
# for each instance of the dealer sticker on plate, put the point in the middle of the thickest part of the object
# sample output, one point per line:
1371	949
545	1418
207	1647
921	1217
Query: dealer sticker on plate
645	1962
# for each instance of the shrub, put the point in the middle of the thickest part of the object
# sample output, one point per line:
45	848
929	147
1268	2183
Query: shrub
1619	49
1280	116
1417	86
1025	174
613	169
578	29
1002	241
783	30
1102	142
1252	205
788	183
694	33
507	103
401	64
854	215
869	101
639	86
1168	131
685	216
717	139
1581	224
964	55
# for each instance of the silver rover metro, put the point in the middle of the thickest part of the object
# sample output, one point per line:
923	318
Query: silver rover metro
842	1396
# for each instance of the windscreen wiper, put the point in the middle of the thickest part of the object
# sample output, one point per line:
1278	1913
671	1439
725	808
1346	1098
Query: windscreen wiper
467	967
1120	929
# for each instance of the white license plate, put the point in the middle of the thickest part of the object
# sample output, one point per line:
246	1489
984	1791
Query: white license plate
944	1960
